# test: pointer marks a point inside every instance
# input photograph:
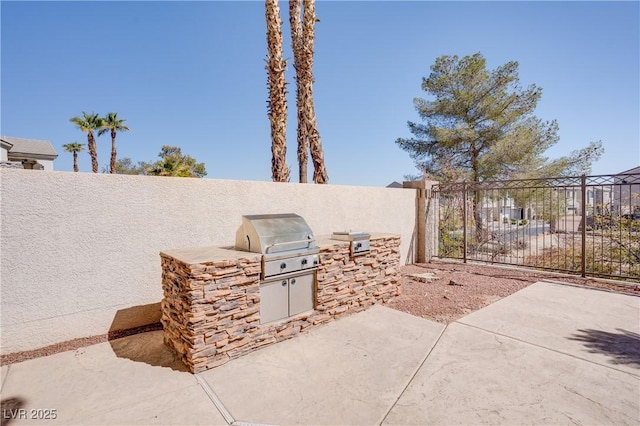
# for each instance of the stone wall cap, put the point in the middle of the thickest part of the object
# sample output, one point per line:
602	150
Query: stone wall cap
210	254
380	235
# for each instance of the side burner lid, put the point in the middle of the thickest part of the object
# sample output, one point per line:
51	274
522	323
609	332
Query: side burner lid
350	236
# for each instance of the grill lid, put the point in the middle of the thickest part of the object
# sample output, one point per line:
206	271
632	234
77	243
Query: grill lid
274	233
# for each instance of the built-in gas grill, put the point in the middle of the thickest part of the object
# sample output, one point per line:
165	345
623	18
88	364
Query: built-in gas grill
289	262
285	241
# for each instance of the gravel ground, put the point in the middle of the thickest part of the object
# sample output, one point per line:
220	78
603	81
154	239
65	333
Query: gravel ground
459	288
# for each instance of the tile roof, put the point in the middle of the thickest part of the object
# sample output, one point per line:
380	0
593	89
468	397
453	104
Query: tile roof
631	171
30	146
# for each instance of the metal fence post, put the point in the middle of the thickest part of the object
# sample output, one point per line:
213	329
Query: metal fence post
583	224
464	221
432	232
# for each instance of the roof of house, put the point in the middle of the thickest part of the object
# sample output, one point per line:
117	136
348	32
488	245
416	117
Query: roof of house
631	171
6	145
394	184
33	147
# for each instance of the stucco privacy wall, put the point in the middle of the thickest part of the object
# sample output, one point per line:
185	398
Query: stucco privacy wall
79	252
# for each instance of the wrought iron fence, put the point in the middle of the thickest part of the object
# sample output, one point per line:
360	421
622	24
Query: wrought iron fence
588	225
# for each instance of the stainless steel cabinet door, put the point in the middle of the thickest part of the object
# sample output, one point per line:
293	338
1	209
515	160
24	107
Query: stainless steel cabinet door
301	294
274	300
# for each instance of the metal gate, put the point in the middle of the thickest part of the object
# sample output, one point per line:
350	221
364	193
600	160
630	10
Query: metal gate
589	225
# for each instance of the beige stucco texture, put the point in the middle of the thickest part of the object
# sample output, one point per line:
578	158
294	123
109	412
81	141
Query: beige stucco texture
80	252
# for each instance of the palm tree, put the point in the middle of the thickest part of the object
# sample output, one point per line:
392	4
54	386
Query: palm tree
74	148
302	40
114	124
308	38
277	103
168	167
296	44
88	123
174	163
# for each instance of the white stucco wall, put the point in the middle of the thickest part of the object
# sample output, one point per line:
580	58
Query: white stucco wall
46	165
3	153
78	251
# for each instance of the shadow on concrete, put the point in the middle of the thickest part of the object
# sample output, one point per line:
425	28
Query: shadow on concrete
136	334
135	317
148	348
11	409
622	347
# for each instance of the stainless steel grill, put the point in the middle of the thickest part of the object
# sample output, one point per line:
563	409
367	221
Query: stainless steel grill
289	260
285	241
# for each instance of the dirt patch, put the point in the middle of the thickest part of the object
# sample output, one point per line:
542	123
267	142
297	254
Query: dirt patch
458	289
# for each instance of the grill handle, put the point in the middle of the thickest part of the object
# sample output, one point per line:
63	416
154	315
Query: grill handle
270	246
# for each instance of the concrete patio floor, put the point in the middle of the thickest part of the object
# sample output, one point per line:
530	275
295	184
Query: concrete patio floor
548	354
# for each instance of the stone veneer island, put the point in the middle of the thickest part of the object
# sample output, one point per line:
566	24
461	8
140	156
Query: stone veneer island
211	304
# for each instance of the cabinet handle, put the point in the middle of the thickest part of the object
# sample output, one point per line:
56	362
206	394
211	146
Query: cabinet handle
284	283
293	281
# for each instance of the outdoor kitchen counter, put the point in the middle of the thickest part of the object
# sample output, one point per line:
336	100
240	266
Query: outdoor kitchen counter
215	300
210	254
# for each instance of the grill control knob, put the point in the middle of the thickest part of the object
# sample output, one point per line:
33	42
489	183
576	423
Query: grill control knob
293	281
304	261
283	265
315	262
359	245
284	283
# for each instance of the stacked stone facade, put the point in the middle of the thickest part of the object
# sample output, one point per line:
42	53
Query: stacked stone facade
211	308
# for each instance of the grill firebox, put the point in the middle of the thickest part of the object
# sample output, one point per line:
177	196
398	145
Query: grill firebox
285	241
289	262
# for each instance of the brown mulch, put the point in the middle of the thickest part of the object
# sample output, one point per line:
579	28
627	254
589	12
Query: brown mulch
460	288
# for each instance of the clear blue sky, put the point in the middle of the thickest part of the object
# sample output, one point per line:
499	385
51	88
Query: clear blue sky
192	74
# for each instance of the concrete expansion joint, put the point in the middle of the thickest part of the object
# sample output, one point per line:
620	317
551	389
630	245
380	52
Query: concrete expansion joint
415	372
575	392
220	406
216	401
4	378
547	348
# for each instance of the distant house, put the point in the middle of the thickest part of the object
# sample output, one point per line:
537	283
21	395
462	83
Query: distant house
599	199
504	207
623	197
626	196
570	198
26	153
394	184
